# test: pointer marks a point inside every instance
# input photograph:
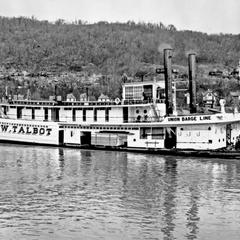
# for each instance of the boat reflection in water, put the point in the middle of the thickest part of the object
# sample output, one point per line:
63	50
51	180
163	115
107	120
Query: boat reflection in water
57	193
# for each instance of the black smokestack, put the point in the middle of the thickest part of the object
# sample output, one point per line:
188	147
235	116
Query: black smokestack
168	80
192	82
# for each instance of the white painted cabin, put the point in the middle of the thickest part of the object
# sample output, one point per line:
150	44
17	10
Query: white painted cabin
138	120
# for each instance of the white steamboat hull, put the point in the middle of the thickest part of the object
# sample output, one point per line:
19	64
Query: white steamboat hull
35	132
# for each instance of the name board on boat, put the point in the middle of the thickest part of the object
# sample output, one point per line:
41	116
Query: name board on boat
189	119
24	129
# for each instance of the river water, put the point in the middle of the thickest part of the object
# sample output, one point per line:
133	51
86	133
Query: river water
57	193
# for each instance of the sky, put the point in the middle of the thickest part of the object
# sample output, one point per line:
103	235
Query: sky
210	16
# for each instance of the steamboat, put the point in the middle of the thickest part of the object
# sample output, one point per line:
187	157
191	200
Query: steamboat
144	119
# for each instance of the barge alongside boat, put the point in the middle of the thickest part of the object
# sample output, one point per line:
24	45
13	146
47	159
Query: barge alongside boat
145	119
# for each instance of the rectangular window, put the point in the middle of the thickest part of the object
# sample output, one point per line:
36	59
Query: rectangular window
95	114
125	114
33	113
84	115
57	114
144	132
135	92
74	114
138	93
129	93
148	89
107	115
45	114
5	110
157	133
19	112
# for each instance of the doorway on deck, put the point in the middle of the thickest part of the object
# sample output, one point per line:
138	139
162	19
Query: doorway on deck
19	112
55	114
228	134
61	137
85	138
125	114
170	138
148	92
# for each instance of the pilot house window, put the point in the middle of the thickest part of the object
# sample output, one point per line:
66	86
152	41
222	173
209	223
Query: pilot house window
134	92
138	93
148	92
129	92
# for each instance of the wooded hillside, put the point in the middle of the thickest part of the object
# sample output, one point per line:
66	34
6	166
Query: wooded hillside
38	55
33	45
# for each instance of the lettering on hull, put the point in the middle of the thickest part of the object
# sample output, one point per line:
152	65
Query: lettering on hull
189	119
28	130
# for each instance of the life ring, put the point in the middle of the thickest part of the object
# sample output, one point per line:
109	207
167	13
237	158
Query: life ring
117	101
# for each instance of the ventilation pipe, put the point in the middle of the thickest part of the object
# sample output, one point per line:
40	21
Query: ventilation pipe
192	82
168	80
222	105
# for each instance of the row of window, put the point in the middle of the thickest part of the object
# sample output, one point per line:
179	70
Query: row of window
195	129
102	128
67	108
32	102
189	133
75	103
56	114
95	116
86	108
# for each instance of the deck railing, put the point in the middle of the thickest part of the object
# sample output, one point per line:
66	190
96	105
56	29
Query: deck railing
76	119
80	103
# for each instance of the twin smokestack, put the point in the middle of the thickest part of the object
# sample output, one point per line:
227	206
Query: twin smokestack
168	81
192	82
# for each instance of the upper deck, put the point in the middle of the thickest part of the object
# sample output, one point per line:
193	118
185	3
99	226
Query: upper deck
141	102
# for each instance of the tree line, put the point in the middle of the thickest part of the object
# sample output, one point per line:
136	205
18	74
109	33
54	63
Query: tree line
34	45
112	49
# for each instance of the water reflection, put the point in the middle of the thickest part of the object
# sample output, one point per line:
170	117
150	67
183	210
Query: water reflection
193	212
61	163
169	200
57	193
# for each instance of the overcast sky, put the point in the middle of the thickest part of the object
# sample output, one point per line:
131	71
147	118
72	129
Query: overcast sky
211	16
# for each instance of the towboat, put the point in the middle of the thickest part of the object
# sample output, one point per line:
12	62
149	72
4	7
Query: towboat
144	119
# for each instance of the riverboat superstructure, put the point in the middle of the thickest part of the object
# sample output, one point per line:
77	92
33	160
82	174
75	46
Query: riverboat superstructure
145	118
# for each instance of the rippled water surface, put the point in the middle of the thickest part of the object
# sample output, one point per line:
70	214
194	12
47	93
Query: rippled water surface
55	193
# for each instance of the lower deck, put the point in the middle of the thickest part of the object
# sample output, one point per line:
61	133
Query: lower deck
198	137
210	136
